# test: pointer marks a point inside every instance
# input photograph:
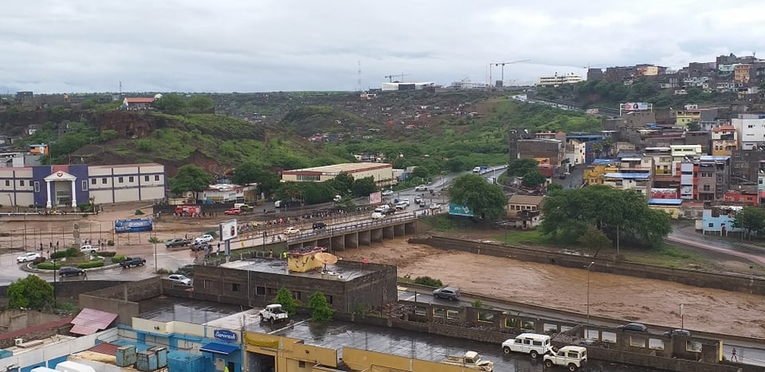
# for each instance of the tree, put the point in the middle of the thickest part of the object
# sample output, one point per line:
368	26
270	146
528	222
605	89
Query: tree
533	179
571	212
88	104
750	219
595	238
694	126
251	172
190	178
284	298
364	186
321	312
553	187
420	172
483	198
344	182
30	293
455	165
172	103
154	241
201	103
520	167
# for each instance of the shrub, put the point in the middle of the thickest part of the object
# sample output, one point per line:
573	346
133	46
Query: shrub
38	260
321	311
58	255
118	258
144	145
72	252
284	298
110	243
107	253
91	264
428	281
48	266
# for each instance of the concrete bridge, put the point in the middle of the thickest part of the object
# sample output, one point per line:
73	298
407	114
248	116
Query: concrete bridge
353	235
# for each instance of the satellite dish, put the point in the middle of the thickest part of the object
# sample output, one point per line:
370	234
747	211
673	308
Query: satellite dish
327	258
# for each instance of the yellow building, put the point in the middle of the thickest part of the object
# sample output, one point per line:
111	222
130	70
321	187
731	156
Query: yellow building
741	73
685	117
662	159
594	173
381	172
671	206
724	140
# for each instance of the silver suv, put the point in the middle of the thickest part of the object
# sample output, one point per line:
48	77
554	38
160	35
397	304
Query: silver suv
447	293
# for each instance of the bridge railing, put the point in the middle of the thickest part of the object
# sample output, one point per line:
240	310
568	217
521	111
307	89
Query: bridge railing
331	231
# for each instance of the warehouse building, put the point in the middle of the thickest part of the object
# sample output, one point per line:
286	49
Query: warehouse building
381	172
69	185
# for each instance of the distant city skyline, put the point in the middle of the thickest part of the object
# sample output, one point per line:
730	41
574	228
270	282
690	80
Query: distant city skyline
238	46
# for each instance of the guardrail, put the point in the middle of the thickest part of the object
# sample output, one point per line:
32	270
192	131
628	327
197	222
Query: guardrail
331	231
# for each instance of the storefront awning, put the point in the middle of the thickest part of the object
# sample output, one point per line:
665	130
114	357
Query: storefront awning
217	348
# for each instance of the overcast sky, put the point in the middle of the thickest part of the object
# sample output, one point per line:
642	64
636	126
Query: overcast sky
265	45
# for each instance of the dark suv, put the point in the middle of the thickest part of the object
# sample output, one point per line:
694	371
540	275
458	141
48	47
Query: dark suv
447	293
132	261
319	225
70	271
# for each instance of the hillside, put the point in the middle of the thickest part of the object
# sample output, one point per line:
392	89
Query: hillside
214	142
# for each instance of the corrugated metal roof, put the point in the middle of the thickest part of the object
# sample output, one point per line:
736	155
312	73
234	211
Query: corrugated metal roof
33	329
635	176
105	348
90	321
665	201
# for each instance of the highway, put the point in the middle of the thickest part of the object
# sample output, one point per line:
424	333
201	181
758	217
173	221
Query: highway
749	353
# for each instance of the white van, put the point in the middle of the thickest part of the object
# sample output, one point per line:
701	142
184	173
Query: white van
532	343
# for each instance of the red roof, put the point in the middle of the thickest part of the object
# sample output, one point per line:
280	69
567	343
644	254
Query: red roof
90	321
105	348
29	330
139	100
723	128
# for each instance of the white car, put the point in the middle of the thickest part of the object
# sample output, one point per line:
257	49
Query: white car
421	188
291	231
178	278
27	257
387	192
206	238
377	215
88	248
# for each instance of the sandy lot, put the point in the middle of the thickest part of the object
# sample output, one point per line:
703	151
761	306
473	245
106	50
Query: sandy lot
615	296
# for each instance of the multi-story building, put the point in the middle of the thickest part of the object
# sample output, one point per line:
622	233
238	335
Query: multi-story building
724	140
688	180
680	152
552	149
741	73
662	159
594	173
746	166
750	129
576	152
558	80
761	187
635	173
714	177
381	173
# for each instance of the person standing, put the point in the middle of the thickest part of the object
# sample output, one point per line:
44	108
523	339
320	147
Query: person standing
733	356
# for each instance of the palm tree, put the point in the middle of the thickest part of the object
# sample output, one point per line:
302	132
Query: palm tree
154	240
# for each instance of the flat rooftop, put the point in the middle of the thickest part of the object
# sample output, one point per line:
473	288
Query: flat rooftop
276	266
167	309
344	167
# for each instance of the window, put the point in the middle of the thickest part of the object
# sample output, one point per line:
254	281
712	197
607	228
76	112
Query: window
306	177
121	180
207	284
103	181
272	291
130	179
93	181
156	178
260	291
37	186
84	185
7	182
235	287
21	182
330	299
301	364
711	224
706	188
145	178
438	312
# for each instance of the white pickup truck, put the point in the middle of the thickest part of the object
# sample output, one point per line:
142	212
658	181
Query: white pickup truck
273	313
471	360
571	357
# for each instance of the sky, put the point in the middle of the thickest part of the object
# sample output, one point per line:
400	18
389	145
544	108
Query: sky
77	46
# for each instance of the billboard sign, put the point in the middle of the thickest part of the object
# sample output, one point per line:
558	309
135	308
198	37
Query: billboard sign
228	230
460	210
635	106
134	225
224	335
375	198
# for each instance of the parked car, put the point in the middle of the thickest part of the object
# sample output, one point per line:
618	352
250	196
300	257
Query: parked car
233	211
199	246
292	230
401	205
273	312
27	257
531	343
132	261
88	248
571	357
177	242
319	225
180	279
447	293
417	199
470	361
70	271
377	215
387	192
678	332
421	188
206	238
636	327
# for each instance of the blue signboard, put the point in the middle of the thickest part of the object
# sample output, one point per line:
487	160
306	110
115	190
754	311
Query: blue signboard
134	225
224	335
460	210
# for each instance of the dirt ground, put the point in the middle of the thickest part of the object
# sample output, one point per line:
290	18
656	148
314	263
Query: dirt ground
615	296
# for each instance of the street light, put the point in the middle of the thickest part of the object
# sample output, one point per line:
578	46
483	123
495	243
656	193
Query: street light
588	291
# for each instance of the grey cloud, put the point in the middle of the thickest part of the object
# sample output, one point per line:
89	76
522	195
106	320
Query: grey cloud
264	45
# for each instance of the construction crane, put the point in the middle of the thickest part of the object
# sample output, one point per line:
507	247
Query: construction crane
491	83
390	77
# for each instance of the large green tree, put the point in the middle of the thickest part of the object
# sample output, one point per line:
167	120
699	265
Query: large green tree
750	219
569	213
520	167
251	172
201	103
533	178
364	186
190	178
343	182
482	197
30	293
171	103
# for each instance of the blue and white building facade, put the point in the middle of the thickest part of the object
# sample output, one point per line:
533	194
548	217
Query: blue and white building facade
69	185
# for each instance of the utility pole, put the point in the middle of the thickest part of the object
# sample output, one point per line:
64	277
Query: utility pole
588	290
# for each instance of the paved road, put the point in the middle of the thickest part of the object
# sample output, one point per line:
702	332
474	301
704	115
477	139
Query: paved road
685	233
749	353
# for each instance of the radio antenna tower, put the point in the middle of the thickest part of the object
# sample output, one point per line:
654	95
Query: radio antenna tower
358	87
